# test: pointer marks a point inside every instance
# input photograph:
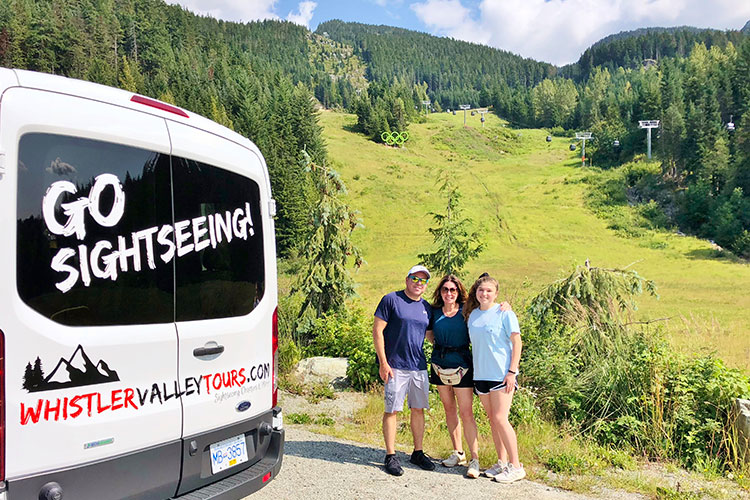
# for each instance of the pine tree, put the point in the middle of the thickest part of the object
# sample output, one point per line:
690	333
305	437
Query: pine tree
456	243
324	281
28	376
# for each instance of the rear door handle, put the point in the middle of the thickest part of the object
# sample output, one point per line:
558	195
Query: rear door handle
210	349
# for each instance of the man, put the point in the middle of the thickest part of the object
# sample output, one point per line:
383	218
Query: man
398	332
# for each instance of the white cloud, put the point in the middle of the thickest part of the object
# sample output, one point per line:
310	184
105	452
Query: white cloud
558	31
451	18
232	10
304	13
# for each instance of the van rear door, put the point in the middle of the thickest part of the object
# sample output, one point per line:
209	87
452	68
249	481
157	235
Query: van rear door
90	342
222	312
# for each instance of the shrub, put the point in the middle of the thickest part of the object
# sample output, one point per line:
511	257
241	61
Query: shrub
346	333
299	418
624	386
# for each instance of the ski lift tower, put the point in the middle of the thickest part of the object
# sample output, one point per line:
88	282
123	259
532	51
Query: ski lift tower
425	103
648	125
482	112
464	107
583	137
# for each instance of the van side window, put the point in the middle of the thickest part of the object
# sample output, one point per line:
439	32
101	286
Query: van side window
90	245
218	233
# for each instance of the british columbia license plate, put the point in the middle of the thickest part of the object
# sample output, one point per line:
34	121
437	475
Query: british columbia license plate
228	453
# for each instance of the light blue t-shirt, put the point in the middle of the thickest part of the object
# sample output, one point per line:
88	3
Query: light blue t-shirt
489	332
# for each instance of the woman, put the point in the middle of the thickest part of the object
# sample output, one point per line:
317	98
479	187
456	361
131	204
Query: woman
496	348
451	350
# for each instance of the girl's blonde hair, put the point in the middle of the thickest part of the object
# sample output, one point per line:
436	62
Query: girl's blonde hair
471	301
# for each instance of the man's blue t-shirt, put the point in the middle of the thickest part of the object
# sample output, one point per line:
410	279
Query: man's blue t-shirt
450	332
407	321
490	333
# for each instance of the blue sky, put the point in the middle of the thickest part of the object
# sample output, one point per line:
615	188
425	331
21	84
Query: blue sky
556	31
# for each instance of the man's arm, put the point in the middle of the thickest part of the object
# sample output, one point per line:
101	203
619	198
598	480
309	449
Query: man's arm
377	338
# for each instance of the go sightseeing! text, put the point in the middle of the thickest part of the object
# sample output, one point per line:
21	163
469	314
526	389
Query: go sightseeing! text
103	259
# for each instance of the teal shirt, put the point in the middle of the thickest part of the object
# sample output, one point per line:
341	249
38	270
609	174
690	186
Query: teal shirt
449	332
490	342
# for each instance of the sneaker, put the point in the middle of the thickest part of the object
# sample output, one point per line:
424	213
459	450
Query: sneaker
393	466
496	469
419	458
456	458
473	471
511	474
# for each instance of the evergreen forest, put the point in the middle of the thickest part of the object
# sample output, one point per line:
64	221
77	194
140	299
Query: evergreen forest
265	80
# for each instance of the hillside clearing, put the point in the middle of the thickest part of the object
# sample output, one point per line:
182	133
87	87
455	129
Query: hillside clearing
529	196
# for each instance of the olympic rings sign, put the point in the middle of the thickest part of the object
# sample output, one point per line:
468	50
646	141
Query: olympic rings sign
395	138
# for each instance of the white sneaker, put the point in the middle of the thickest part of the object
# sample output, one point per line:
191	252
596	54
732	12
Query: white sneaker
473	471
496	469
511	474
456	458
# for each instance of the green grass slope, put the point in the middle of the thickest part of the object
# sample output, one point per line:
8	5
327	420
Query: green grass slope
529	197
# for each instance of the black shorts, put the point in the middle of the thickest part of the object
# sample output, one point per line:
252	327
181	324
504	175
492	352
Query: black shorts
466	381
482	387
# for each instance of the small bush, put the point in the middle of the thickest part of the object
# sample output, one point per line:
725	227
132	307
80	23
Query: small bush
524	409
299	418
319	392
324	420
559	132
345	333
568	463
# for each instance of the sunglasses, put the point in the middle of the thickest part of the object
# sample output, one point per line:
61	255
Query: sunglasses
418	280
445	289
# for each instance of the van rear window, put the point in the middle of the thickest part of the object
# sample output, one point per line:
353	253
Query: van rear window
217	215
98	244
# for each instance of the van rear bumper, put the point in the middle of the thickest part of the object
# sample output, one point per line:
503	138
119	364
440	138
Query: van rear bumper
249	480
154	474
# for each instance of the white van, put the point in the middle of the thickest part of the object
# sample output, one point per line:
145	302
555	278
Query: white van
137	299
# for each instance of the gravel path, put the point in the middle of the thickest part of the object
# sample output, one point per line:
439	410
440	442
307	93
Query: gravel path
318	467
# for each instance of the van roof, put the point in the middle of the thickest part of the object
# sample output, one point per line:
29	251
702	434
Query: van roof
118	97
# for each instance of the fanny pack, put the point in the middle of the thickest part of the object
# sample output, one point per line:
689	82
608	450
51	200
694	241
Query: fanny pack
450	376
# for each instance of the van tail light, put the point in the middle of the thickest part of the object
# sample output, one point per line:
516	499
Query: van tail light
2	406
274	350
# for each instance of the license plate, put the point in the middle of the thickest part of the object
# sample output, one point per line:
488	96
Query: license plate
228	453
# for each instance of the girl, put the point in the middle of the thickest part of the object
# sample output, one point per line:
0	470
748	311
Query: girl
496	348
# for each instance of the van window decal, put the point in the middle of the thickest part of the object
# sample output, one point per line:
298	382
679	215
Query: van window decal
105	260
76	371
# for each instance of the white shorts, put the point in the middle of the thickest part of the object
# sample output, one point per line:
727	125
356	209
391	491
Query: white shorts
416	383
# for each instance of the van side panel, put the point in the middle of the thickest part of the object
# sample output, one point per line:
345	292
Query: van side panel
77	394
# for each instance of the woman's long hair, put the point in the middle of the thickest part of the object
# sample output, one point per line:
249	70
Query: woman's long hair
471	301
437	298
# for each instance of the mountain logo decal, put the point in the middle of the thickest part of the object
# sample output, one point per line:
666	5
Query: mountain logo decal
76	371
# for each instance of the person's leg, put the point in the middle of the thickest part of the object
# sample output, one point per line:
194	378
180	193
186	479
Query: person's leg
395	392
390	423
451	415
502	454
465	397
500	402
418	390
417	427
